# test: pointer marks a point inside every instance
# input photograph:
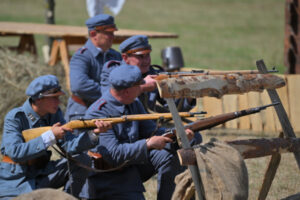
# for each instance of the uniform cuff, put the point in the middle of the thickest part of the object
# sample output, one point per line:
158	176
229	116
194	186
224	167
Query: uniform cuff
93	137
48	138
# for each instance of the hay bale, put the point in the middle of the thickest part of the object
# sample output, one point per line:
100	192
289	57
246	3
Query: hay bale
16	72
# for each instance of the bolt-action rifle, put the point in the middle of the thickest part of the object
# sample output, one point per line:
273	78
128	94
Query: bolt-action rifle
207	123
30	134
164	75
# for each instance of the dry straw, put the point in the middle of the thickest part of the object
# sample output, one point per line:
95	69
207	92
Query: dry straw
16	72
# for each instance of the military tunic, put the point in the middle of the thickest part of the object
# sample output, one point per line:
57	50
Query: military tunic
19	178
85	76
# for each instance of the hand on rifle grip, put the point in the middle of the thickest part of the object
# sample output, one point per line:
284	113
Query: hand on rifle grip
150	83
59	131
157	142
102	126
189	133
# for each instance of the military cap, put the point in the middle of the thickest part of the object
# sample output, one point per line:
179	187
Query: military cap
125	76
137	45
102	22
44	86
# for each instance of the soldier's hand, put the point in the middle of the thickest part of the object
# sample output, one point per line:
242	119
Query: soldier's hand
150	84
102	126
59	131
190	134
157	142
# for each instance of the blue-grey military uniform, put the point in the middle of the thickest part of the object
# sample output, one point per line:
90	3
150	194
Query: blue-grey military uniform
126	143
149	99
19	176
85	71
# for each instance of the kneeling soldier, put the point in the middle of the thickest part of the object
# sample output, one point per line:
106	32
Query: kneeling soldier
26	165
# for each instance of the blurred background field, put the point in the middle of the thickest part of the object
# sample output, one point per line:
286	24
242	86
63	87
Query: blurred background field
213	34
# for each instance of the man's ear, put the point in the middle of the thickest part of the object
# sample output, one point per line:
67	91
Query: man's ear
124	57
126	92
93	33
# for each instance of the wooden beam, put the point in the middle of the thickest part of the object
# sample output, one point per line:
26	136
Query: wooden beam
270	174
216	85
281	113
252	148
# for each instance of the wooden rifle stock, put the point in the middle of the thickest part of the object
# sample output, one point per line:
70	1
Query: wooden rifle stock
30	134
213	121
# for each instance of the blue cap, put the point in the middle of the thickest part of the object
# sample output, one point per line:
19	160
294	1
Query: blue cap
44	86
137	45
102	22
125	76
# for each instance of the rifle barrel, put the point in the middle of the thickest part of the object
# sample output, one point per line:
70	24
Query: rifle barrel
213	121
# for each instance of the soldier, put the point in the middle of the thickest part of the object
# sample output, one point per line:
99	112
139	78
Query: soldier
26	166
86	65
136	146
136	51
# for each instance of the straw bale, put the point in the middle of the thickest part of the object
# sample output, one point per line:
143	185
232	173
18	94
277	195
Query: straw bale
16	72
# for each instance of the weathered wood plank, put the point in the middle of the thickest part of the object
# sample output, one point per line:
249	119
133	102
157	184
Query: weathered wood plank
294	99
213	107
230	105
244	122
269	115
284	96
256	119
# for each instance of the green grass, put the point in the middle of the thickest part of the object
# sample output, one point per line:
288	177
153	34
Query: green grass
214	34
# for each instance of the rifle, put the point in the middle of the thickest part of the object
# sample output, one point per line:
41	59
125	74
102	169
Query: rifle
30	134
164	75
213	121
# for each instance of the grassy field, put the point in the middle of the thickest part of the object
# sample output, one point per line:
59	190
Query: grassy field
213	34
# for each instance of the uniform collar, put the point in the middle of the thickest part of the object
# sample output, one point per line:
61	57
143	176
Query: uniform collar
116	104
94	50
31	115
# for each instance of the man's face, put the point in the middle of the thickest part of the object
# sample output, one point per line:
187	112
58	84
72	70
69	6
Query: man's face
48	104
133	93
143	61
104	39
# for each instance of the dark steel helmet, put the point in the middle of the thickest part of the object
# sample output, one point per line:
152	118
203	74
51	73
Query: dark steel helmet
172	58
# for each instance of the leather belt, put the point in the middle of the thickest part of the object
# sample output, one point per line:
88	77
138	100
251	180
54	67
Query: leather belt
38	162
100	163
78	100
9	160
94	155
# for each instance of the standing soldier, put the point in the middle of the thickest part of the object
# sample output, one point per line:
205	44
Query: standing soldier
86	65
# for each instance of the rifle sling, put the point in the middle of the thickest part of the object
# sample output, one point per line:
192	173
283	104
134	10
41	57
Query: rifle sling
76	162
